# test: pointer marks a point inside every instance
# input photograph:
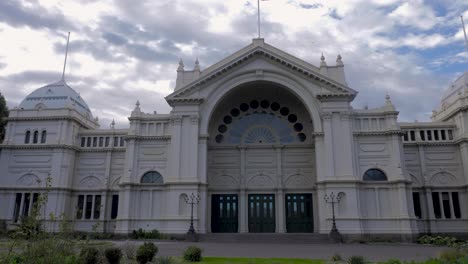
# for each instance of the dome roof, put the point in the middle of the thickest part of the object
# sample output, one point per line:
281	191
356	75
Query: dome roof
55	96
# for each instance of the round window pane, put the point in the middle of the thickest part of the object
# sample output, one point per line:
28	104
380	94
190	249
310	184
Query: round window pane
222	128
292	118
219	138
254	104
284	111
374	175
235	112
227	119
302	137
298	127
244	107
275	106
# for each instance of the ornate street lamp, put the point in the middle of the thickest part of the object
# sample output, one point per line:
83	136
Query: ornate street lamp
192	199
334	235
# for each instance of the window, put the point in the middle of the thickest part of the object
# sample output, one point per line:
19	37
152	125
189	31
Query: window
116	141
122	141
35	137
101	141
79	208
405	136
43	137
152	177
412	135
27	137
115	206
24	202
417	205
422	135
94	142
88	142
83	142
88	206
446	205
374	175
107	141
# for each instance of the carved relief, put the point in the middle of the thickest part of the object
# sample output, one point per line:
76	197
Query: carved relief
260	181
298	180
443	178
29	180
372	147
223	180
90	182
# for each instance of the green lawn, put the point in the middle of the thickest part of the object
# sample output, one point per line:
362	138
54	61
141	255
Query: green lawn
213	260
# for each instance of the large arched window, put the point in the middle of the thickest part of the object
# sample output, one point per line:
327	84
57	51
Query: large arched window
43	136
374	175
152	177
35	137
27	137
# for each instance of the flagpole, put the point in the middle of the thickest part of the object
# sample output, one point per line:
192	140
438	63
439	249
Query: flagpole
258	7
464	32
66	54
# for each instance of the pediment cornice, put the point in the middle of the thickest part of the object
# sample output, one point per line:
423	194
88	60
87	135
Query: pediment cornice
269	53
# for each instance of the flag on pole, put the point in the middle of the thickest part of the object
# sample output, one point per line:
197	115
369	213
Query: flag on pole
258	8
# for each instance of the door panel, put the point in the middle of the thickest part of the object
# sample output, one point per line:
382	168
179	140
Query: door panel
299	213
224	211
261	213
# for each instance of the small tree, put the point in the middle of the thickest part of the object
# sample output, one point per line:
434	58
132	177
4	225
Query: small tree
3	115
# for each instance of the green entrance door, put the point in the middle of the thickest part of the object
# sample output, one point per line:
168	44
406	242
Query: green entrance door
299	217
224	209
261	213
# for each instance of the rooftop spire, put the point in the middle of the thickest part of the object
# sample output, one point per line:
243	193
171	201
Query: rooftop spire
323	63
197	65
339	62
181	65
66	54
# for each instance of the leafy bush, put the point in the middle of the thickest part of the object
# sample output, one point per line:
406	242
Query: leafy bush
440	241
89	255
48	250
336	257
143	234
113	255
357	260
392	261
193	254
146	252
129	250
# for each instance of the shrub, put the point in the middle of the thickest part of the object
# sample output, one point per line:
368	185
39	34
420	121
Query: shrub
146	252
392	261
357	260
50	250
129	250
440	241
193	254
113	255
89	255
142	234
336	257
451	256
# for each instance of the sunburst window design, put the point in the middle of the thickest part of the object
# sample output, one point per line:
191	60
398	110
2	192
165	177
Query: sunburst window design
258	135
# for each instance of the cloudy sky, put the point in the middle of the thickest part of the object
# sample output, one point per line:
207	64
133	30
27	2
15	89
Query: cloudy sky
124	50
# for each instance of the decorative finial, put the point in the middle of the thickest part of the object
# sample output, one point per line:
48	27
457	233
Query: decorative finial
197	65
112	124
66	55
366	107
387	98
339	62
323	63
137	103
181	65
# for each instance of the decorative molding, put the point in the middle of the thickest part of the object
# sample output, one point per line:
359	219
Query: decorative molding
184	101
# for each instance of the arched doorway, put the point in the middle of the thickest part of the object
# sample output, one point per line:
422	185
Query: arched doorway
261	161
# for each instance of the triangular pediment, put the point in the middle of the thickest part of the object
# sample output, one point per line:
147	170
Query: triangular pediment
260	50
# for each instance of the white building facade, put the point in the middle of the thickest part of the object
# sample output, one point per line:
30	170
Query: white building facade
261	137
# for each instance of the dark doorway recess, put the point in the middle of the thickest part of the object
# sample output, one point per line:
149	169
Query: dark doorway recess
299	213
224	211
261	213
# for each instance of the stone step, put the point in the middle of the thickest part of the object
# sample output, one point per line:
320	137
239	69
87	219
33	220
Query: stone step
275	238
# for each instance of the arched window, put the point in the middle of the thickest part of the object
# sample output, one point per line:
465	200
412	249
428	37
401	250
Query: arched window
152	177
35	137
374	175
27	137
43	136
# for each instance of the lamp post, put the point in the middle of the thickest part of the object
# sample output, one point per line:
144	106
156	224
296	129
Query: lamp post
192	199
334	235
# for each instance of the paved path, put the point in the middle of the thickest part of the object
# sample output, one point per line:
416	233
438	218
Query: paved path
373	252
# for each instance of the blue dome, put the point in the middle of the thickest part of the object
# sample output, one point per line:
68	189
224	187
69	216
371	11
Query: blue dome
56	96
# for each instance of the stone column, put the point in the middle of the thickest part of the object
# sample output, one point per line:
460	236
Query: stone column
280	214
243	211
